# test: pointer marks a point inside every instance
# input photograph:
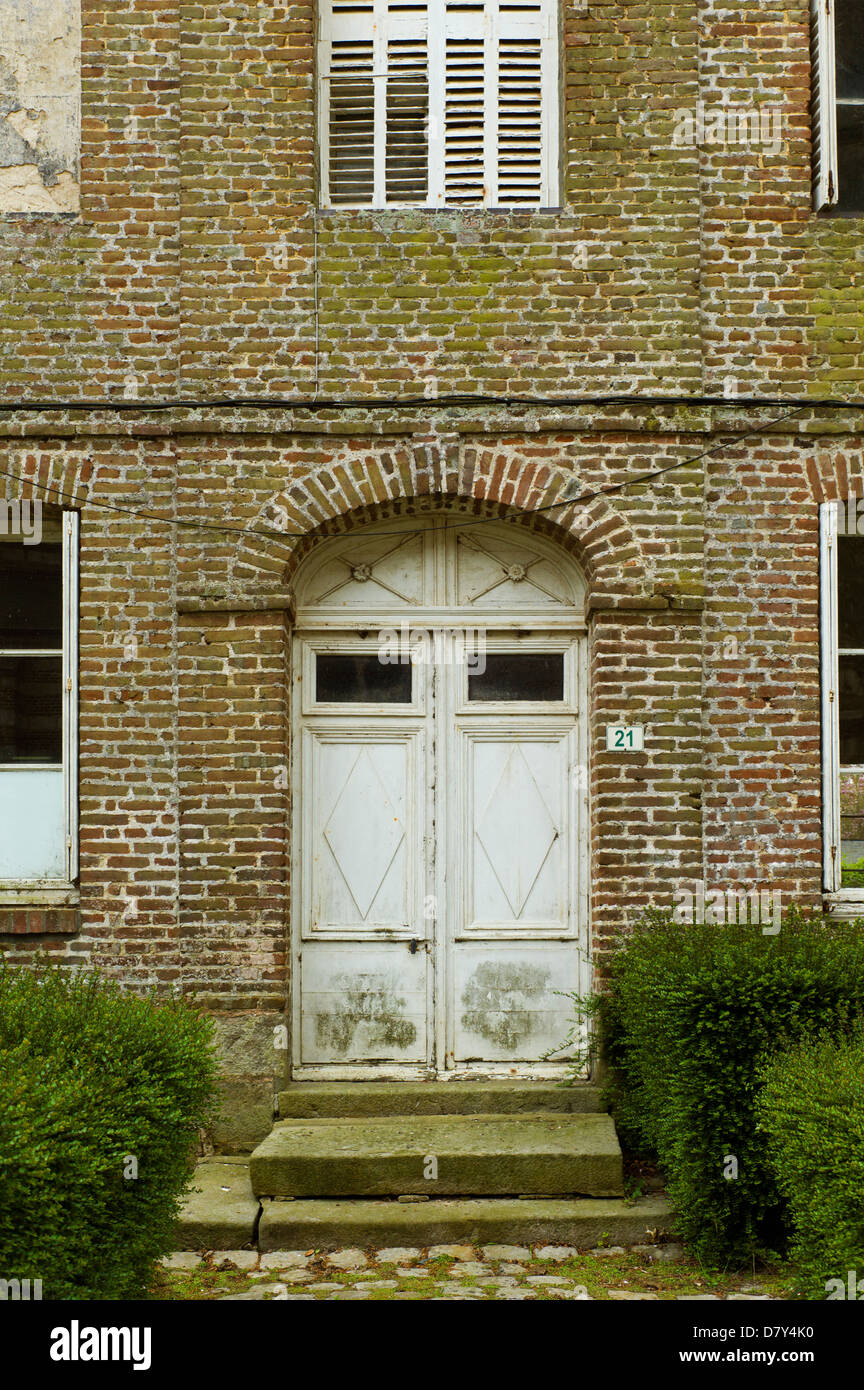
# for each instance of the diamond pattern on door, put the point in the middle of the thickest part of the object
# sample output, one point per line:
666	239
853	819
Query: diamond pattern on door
516	856
364	832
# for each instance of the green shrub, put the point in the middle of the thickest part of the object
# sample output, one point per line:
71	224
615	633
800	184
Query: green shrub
811	1112
692	1012
852	875
95	1084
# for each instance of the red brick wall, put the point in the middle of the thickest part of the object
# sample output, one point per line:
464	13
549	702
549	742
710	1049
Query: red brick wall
199	269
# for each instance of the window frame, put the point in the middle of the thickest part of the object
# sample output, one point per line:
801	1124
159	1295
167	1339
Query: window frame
436	36
829	676
825	107
56	889
836	519
823	84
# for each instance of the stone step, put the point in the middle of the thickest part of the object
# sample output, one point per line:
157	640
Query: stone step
475	1155
220	1211
323	1100
583	1223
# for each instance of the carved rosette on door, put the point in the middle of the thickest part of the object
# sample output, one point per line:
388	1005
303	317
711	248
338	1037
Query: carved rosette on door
440	895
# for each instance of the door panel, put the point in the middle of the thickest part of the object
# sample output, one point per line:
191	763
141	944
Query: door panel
363	1001
517	822
505	1005
366	816
362	970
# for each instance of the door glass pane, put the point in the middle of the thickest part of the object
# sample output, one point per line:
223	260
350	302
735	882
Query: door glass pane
32	824
31	709
519	676
31	595
850	591
851	710
851	828
361	679
850	158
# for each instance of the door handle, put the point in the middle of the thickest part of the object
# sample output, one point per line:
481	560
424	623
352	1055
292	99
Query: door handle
416	943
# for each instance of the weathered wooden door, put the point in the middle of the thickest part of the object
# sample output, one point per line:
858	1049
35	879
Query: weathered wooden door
439	900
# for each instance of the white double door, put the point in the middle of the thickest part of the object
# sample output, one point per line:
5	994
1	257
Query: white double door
439	900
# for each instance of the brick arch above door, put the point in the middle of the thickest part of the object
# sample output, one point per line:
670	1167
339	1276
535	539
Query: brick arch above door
494	482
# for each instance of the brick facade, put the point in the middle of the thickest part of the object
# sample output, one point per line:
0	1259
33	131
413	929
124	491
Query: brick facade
198	273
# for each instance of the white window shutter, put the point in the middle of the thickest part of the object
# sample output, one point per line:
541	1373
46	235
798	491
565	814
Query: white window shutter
824	103
831	842
346	64
467	41
406	143
434	103
70	690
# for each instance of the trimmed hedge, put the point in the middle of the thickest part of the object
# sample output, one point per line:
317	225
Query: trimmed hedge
811	1112
692	1013
102	1095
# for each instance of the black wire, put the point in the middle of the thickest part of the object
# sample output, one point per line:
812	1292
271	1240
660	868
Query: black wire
456	525
391	402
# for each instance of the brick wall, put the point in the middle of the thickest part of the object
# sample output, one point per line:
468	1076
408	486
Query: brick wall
199	270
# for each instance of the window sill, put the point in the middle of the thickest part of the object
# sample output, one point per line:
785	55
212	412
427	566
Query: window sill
844	905
469	210
38	894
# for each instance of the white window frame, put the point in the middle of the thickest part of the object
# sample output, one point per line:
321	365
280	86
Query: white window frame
57	890
824	113
439	25
830	670
835	519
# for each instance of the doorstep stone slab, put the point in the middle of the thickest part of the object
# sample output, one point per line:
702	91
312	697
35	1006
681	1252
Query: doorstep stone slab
310	1100
220	1211
577	1223
481	1155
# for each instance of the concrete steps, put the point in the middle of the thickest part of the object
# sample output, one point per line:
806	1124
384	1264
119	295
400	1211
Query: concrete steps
326	1100
427	1163
221	1213
582	1223
440	1155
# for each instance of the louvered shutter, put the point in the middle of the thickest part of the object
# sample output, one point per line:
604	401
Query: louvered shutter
824	103
430	103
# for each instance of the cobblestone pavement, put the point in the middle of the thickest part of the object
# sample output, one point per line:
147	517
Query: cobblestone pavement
490	1272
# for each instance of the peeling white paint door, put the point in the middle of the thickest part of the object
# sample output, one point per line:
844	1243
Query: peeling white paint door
439	903
512	906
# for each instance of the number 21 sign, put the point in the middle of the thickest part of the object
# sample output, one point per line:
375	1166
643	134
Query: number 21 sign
624	738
